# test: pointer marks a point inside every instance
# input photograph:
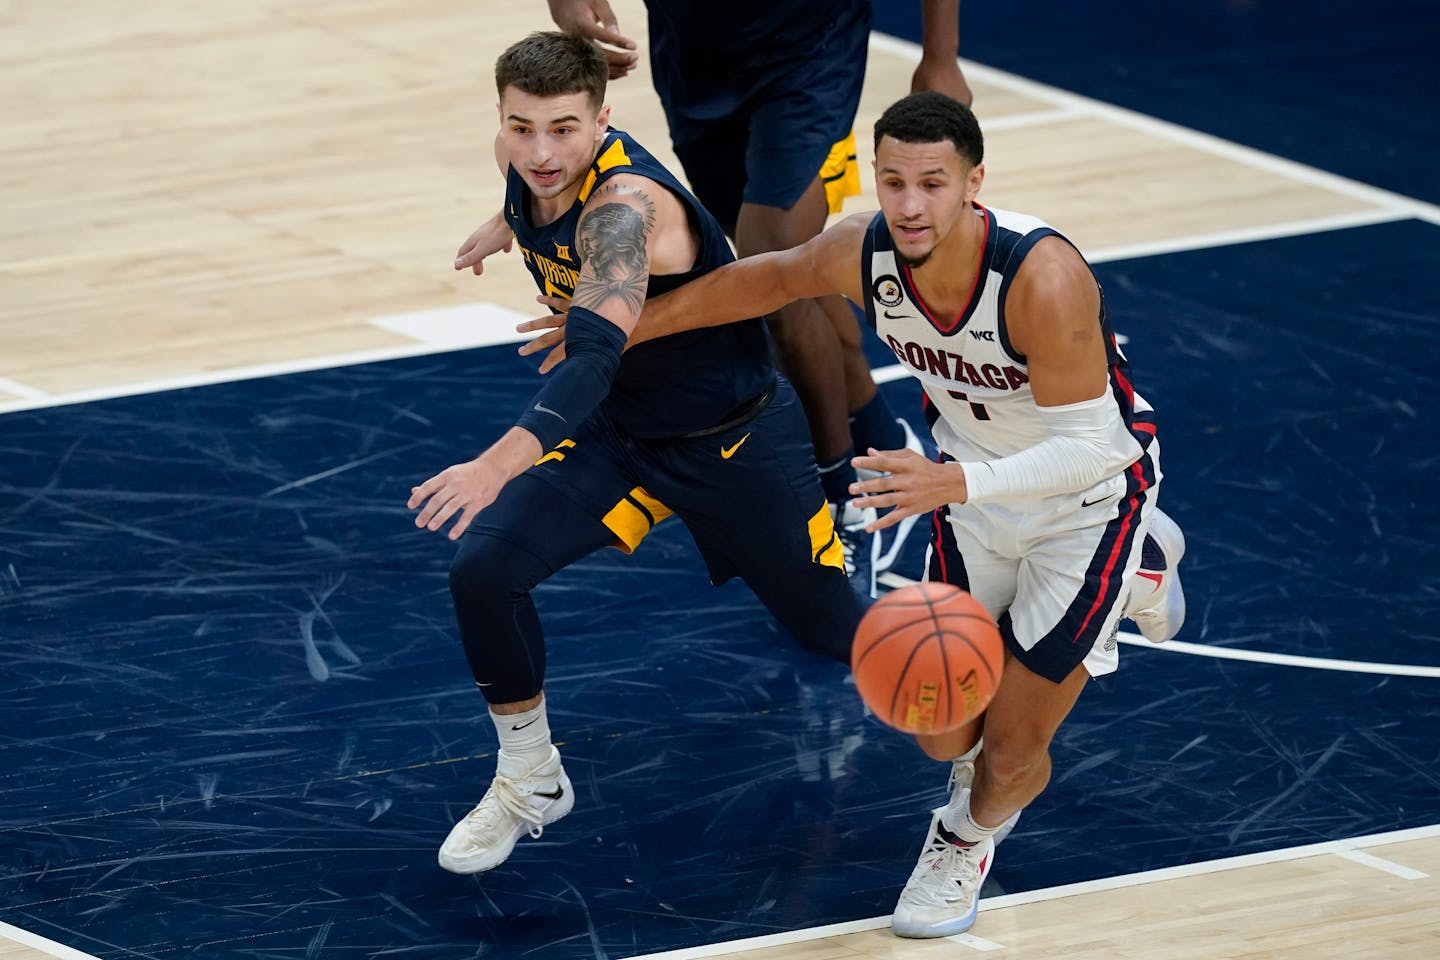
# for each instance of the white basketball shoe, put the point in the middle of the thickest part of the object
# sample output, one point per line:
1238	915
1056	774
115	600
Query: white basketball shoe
942	896
518	802
1157	602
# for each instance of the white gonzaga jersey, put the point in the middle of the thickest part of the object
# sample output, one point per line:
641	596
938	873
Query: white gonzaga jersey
977	386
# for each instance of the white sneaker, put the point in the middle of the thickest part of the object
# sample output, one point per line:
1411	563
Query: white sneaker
861	549
962	774
512	807
942	896
1157	602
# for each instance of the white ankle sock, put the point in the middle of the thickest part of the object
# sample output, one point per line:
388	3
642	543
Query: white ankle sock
960	823
524	739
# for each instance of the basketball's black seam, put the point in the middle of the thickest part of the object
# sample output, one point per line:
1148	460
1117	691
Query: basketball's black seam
900	680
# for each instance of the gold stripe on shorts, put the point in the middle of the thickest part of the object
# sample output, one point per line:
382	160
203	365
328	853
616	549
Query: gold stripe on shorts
825	546
634	517
841	173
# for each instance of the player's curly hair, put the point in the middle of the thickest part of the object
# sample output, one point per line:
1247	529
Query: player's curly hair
552	64
929	118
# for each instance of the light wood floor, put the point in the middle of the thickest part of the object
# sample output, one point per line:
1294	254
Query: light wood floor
195	188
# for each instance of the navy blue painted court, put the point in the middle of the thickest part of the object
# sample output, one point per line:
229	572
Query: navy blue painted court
237	721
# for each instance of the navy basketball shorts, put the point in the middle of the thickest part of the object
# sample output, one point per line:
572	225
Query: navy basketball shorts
749	495
762	130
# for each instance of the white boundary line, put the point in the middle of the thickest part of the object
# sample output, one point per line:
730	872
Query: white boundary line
1282	659
1176	133
488	324
37	942
894	580
1337	847
21	390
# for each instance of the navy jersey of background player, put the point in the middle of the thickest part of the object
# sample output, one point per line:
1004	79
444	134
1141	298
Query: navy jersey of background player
674	385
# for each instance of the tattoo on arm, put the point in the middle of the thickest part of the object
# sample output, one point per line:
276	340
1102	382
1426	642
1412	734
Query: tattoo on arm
611	243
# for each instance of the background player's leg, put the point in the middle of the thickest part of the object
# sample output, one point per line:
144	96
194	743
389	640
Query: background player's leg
809	349
760	515
531	531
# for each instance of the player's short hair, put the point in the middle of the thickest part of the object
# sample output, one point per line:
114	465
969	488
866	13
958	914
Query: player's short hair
929	118
552	64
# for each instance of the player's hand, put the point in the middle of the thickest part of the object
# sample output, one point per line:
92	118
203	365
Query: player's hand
942	75
554	337
594	20
465	488
492	236
910	483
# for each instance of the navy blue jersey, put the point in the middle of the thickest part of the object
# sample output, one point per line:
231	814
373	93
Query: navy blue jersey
749	27
674	385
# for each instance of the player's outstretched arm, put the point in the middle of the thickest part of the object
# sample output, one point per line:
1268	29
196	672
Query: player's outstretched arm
755	286
494	234
615	239
828	264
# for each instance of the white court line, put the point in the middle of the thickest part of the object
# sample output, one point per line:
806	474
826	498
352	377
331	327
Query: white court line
1225	238
1034	118
975	943
19	389
893	580
1282	659
1379	863
37	942
1176	133
436	330
1338	847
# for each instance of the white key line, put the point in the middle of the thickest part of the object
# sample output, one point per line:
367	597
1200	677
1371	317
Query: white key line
1175	133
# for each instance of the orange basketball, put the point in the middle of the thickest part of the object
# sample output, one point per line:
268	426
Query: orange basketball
927	658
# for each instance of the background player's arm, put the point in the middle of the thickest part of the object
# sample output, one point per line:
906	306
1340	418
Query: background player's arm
939	70
595	21
494	234
1052	314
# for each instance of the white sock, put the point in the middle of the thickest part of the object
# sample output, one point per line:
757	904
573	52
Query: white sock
524	740
963	826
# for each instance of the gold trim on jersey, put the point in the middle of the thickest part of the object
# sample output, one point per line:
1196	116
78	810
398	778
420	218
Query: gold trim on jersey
841	173
635	516
825	546
614	156
558	453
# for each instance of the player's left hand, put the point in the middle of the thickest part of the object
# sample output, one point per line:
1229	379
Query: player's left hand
554	337
942	75
466	489
910	483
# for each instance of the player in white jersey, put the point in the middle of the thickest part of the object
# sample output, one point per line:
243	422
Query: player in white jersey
1043	497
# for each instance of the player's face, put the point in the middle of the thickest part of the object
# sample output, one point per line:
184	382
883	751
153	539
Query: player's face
924	188
551	140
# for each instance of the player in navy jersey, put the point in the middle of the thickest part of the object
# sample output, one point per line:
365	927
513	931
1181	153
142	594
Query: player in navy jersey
698	425
1043	500
760	99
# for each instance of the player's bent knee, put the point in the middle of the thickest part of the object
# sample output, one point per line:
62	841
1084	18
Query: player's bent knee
490	568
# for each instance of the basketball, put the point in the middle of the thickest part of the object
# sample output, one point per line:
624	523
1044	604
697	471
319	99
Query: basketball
927	658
